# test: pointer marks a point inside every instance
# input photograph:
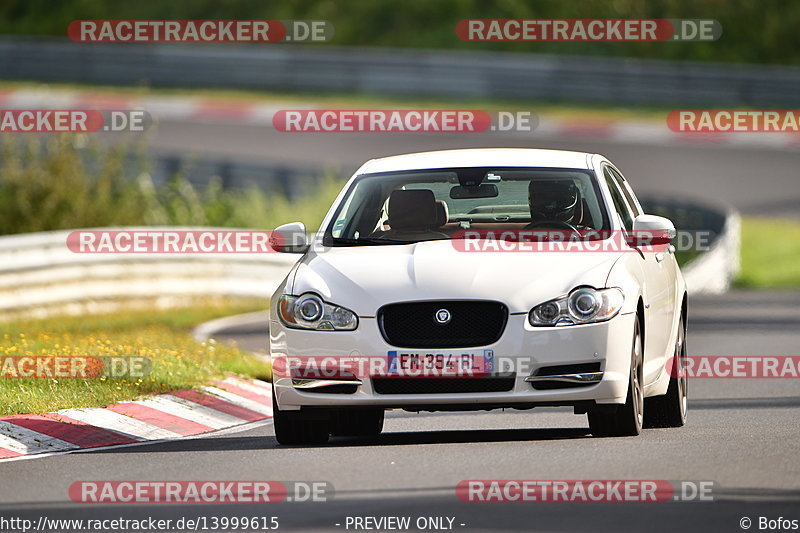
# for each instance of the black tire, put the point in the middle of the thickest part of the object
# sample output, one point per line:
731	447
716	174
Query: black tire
357	422
297	427
670	409
627	419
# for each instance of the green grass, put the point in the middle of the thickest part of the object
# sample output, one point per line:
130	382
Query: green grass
684	256
770	253
67	182
163	336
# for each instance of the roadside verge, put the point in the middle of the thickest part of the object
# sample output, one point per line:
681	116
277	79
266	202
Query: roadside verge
223	404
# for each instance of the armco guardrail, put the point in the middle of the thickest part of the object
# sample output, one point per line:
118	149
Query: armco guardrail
39	275
424	73
713	271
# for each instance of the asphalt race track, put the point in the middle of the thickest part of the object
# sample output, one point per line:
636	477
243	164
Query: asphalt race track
742	434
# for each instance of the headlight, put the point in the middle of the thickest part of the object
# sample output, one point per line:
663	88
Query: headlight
309	311
583	305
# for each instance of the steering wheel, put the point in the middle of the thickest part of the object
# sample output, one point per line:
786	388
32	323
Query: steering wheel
551	223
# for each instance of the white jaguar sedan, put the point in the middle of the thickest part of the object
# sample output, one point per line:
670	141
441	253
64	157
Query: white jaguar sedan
475	280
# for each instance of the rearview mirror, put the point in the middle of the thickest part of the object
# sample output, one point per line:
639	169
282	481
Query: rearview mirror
289	238
649	230
485	190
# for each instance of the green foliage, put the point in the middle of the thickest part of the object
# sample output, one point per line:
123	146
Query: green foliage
770	253
55	182
754	31
177	360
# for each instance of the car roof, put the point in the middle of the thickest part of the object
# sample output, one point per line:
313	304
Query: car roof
479	157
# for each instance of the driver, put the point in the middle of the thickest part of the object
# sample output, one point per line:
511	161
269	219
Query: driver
554	201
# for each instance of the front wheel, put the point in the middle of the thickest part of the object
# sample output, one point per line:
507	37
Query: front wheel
298	427
669	410
627	419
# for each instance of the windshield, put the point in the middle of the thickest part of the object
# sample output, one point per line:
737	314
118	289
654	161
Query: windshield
406	207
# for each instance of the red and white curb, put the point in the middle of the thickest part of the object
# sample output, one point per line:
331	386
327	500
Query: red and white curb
222	110
165	107
178	414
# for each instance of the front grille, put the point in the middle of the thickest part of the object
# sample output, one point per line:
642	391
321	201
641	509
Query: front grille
414	325
454	385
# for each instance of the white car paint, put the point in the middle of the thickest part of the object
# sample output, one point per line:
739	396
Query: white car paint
363	279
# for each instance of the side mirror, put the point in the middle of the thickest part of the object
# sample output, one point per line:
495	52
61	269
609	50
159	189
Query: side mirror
649	230
289	239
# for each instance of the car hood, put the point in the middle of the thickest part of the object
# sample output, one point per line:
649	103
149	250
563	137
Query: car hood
364	278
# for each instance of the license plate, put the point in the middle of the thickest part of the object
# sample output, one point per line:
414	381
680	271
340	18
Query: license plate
449	363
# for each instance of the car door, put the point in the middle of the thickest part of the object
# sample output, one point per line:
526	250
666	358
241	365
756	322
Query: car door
658	292
665	257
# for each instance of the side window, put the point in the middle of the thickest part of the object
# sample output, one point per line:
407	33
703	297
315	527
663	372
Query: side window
620	203
626	191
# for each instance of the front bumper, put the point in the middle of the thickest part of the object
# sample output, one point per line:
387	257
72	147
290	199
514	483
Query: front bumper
522	349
